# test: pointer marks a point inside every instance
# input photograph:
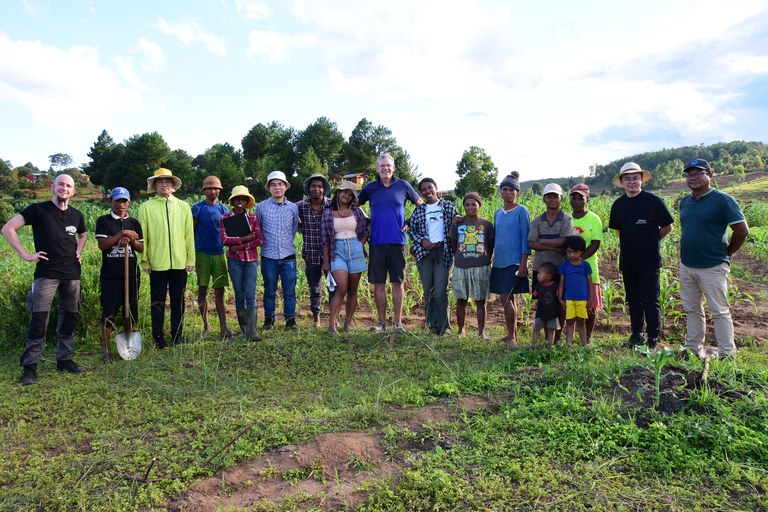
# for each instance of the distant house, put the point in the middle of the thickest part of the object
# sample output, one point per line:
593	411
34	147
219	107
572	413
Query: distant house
358	178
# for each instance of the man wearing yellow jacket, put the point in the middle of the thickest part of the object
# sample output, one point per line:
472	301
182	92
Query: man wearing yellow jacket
169	252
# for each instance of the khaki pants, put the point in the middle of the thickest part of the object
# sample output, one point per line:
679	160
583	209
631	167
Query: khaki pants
712	283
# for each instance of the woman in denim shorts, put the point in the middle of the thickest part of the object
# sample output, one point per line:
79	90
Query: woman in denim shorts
344	231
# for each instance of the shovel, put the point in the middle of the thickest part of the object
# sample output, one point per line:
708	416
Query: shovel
128	342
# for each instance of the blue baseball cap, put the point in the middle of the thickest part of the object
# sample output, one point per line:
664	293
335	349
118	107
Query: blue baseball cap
119	193
698	163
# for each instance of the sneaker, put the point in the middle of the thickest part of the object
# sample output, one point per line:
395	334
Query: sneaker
161	345
652	342
290	325
379	327
69	366
268	324
399	328
28	374
634	340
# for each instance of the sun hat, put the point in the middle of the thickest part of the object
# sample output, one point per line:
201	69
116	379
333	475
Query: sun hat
511	180
581	188
119	193
277	175
346	185
475	196
553	188
212	182
162	172
326	184
630	168
242	191
698	163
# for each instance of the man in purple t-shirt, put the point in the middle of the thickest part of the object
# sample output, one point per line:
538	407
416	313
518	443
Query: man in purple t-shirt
387	196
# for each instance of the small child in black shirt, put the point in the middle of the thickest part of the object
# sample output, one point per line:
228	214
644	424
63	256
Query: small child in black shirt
548	304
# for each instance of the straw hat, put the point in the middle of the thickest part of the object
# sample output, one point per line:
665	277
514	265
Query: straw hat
212	182
242	191
326	184
163	173
630	168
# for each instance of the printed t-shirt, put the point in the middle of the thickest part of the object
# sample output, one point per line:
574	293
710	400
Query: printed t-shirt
55	232
472	242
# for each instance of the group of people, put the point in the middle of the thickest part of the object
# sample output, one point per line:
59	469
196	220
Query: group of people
169	239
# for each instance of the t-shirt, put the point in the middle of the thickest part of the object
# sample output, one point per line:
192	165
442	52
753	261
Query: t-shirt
576	284
112	259
207	233
704	223
639	220
55	232
590	228
434	217
541	228
388	209
511	241
474	239
548	305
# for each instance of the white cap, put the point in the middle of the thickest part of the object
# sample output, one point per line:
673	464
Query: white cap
553	188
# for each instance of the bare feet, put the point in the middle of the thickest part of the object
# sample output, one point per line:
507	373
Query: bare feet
483	336
333	332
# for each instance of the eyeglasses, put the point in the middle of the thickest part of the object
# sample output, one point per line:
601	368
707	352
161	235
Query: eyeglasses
630	179
693	174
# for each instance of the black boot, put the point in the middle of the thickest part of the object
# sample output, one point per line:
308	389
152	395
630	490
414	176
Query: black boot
69	366
268	323
242	320
28	374
251	325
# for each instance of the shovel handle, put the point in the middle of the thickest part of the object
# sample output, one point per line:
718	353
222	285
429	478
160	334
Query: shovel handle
127	324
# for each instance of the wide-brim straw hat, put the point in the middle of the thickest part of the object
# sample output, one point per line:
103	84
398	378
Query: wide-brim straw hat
242	191
347	185
163	173
326	184
630	168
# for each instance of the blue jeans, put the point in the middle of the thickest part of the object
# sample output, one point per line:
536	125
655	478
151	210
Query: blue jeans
271	271
243	276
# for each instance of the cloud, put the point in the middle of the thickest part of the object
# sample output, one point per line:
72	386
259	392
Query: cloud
190	31
152	53
252	10
64	89
275	47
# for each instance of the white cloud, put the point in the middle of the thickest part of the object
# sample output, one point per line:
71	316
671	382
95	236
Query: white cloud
252	10
190	31
746	64
275	47
152	53
65	89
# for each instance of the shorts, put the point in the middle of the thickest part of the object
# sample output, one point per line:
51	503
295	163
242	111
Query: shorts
349	256
575	309
505	282
113	297
552	324
211	268
386	259
471	283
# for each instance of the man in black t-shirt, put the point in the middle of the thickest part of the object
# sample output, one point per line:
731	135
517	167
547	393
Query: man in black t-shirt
59	234
116	233
641	220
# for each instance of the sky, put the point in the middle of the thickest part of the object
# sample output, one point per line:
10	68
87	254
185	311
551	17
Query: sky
545	87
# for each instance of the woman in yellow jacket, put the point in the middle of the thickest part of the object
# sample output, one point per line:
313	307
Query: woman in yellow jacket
169	252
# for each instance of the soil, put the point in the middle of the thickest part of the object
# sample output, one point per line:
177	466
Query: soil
333	467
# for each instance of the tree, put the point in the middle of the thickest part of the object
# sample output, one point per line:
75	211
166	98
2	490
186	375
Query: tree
477	173
537	189
60	160
103	153
223	161
364	146
324	137
143	155
267	149
180	162
308	165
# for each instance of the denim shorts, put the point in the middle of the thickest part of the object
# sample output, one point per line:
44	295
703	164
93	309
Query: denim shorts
349	257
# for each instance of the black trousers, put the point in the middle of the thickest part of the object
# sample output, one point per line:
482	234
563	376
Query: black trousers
642	290
163	283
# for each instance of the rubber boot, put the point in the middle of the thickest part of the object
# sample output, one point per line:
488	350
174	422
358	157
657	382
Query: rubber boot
251	325
242	321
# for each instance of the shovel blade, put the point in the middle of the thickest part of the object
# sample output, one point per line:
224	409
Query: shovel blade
128	344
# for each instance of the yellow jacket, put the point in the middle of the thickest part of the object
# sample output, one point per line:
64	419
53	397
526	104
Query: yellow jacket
169	237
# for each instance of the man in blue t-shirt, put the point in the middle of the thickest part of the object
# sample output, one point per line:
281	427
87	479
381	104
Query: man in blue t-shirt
387	196
210	260
705	253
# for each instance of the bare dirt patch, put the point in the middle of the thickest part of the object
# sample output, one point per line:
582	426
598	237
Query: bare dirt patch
331	468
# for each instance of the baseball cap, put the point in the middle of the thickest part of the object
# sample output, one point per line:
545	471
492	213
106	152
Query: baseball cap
581	188
698	163
119	193
552	188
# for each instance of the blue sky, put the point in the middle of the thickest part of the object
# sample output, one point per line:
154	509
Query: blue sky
546	88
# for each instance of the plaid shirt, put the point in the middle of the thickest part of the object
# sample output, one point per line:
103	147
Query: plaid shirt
362	228
309	227
279	223
250	251
417	231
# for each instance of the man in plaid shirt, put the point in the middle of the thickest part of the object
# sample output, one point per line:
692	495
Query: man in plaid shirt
316	188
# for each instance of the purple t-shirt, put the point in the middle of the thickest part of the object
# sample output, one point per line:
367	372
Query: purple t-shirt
388	209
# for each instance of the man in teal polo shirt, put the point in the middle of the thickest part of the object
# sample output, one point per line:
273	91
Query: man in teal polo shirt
705	255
